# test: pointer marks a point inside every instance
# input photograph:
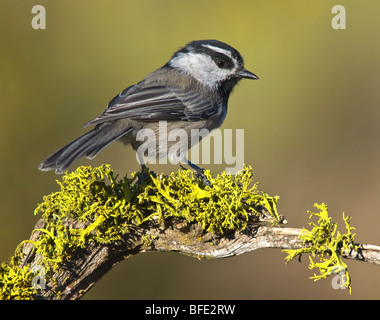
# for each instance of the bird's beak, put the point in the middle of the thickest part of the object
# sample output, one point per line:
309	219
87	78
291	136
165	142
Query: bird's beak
247	75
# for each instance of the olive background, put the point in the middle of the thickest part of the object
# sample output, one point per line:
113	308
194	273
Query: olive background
311	124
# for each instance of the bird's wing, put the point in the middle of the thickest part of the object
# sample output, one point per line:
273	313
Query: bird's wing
154	103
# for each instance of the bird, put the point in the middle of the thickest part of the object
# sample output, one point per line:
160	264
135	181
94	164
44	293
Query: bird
190	91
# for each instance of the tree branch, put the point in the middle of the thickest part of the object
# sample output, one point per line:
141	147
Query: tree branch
81	271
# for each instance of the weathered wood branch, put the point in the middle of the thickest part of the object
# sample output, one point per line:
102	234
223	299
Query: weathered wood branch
86	266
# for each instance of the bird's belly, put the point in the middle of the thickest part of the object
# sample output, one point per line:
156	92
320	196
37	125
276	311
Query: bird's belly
172	139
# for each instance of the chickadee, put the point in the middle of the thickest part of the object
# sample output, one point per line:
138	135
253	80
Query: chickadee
191	91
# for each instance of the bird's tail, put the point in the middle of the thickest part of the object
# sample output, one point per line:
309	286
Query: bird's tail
90	144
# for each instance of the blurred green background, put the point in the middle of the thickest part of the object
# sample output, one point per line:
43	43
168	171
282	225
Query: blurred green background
311	124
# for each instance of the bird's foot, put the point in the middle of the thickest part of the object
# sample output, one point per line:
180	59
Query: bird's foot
145	176
199	174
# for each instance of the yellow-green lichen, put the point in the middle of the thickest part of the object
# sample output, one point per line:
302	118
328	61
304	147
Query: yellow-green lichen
327	243
16	282
108	207
225	205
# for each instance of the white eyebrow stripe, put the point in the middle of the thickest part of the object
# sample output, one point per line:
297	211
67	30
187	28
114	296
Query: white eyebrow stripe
220	50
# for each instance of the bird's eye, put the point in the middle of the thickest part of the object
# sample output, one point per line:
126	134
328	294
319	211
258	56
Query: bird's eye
220	63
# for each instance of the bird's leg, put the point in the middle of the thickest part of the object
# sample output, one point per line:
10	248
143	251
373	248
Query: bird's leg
145	175
199	173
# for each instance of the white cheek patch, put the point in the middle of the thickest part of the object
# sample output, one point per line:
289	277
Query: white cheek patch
201	67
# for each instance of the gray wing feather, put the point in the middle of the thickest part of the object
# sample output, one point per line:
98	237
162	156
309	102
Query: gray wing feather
156	103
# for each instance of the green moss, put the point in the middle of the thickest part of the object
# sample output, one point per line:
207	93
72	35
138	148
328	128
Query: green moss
108	207
327	243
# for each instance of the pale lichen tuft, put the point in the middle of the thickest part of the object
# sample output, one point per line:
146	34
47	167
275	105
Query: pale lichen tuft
328	244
